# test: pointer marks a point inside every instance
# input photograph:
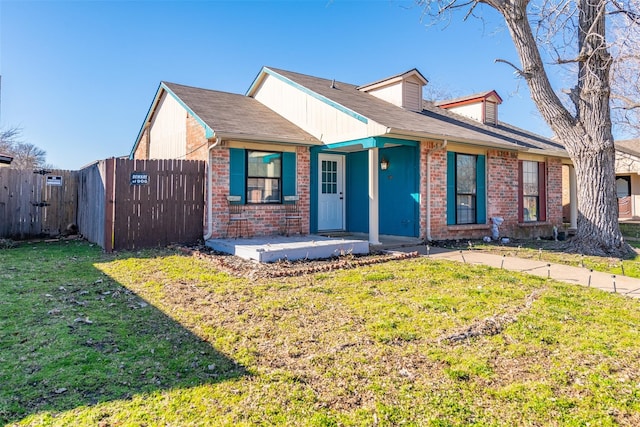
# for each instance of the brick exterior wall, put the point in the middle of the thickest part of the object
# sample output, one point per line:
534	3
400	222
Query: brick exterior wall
197	144
262	220
502	190
502	197
142	150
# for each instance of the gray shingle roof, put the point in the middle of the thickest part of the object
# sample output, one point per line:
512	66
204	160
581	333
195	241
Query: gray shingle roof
433	121
234	114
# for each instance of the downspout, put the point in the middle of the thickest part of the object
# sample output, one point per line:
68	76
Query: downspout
217	140
442	146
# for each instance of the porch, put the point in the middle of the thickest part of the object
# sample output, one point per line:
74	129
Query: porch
312	246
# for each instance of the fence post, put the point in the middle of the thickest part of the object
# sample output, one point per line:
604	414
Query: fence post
109	203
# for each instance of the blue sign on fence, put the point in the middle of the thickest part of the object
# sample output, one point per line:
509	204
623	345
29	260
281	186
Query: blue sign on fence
139	178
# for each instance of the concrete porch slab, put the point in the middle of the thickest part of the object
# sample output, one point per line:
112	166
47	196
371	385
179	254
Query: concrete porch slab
275	248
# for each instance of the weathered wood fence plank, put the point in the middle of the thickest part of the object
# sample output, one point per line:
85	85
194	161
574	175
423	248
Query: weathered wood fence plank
119	204
36	204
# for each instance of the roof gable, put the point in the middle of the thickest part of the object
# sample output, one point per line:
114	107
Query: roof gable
229	115
491	95
412	75
432	122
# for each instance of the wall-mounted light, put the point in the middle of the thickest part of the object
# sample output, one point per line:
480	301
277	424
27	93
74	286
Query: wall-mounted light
384	164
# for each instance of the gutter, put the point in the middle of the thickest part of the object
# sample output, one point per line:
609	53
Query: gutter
240	137
217	141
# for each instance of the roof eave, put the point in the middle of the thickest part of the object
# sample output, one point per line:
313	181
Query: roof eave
243	137
456	139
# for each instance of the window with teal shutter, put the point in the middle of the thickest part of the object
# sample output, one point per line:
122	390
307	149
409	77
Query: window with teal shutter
466	189
237	173
261	177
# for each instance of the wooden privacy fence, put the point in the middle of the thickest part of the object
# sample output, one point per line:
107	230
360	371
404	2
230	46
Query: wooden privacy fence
119	204
36	203
132	204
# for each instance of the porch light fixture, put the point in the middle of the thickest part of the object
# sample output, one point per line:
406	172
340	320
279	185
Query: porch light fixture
384	164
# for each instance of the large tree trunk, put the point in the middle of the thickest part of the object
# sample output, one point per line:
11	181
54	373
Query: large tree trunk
598	232
586	135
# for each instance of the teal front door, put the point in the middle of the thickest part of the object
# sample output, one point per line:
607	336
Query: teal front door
399	195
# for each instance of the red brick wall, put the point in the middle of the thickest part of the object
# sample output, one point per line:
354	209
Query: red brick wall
263	220
554	198
502	197
197	144
142	150
502	189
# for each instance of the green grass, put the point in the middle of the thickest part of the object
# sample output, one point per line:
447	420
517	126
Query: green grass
171	341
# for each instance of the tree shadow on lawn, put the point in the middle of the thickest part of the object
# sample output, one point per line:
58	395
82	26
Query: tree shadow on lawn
66	343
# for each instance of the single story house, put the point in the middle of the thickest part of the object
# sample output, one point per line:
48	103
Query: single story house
374	158
5	160
628	178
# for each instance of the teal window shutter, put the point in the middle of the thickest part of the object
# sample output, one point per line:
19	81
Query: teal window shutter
237	172
288	174
481	193
451	188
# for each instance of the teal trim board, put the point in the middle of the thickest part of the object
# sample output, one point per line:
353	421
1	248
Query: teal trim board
208	131
371	142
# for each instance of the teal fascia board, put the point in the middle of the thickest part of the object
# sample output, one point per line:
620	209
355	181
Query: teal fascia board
311	93
208	131
366	143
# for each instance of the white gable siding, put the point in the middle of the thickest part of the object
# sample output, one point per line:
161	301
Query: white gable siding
391	93
320	119
473	111
168	133
412	96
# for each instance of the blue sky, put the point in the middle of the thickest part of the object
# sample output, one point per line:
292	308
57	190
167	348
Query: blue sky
78	77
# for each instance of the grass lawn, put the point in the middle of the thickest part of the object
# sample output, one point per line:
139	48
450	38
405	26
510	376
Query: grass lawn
160	338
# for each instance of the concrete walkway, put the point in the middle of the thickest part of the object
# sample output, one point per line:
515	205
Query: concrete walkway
607	282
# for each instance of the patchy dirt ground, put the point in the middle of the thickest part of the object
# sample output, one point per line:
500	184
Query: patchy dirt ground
241	267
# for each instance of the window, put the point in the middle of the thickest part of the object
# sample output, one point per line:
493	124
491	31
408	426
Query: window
466	198
465	189
531	190
264	177
261	177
